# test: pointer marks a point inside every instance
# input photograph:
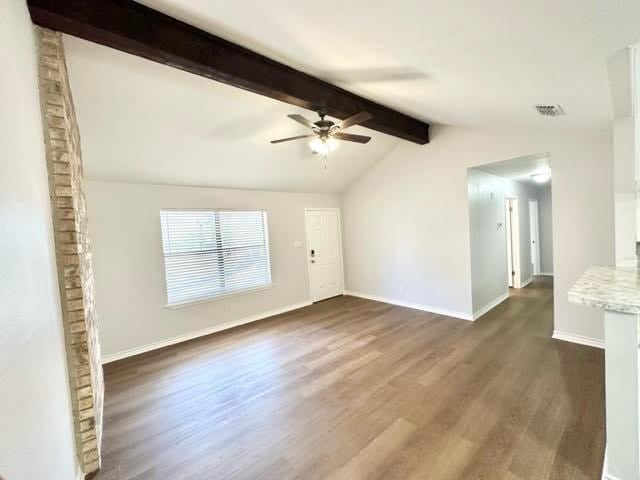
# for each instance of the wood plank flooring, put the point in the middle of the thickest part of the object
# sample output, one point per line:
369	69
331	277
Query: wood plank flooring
355	389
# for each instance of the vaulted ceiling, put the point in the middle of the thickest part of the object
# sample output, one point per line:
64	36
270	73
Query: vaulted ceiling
145	122
468	62
460	63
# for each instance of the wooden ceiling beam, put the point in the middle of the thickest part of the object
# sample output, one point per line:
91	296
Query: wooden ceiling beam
134	28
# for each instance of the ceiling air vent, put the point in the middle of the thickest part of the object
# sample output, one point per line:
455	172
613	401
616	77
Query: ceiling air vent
550	110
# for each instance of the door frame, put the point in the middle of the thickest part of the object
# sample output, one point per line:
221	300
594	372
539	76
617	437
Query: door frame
306	253
512	213
535	219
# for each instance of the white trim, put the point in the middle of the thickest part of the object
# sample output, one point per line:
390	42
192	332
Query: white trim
606	476
526	282
609	477
416	306
534	227
220	296
605	467
546	274
489	306
579	339
512	216
200	333
635	95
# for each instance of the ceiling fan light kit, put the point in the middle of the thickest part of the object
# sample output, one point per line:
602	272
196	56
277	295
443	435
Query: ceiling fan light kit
323	146
543	175
326	133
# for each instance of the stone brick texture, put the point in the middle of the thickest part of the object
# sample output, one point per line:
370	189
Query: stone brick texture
73	252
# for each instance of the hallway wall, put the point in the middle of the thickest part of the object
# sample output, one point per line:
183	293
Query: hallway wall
488	239
406	220
488	236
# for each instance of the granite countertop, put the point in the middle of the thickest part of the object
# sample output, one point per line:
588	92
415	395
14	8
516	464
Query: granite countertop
615	289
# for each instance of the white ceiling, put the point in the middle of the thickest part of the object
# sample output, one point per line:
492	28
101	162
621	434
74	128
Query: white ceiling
468	62
477	62
519	169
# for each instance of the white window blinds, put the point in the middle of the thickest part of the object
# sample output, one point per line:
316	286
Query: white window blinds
209	253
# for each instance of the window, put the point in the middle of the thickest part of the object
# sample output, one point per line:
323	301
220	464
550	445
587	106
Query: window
210	253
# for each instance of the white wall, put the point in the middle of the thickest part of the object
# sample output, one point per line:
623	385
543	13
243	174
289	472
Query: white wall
36	434
626	205
487	234
488	239
624	151
129	268
406	222
545	223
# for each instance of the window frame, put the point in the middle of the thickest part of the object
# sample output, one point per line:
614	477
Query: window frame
223	295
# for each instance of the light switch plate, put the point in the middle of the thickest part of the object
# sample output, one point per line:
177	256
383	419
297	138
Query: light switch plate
297	244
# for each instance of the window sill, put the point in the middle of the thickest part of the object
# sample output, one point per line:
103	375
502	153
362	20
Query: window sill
216	298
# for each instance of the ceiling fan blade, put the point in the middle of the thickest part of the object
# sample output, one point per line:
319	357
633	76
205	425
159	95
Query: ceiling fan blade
288	139
302	120
355	119
349	137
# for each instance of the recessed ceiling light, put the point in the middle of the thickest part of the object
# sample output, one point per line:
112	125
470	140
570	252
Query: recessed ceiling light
541	176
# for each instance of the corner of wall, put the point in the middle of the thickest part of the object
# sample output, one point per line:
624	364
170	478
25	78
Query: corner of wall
72	246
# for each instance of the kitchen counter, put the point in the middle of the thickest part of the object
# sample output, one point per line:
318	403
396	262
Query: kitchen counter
615	289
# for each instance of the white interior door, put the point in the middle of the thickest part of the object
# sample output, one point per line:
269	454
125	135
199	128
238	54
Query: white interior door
324	253
535	236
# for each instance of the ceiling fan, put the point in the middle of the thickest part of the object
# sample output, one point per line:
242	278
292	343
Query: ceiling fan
325	132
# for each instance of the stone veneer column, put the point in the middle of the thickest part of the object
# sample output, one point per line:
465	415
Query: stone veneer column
73	255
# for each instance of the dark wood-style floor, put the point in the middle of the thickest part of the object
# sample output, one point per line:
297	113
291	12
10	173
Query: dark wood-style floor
355	389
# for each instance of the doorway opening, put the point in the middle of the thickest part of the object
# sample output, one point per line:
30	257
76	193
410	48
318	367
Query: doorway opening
513	241
511	237
534	228
324	253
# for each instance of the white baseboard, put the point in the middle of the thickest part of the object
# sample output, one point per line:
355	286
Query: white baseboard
416	306
609	477
605	469
489	306
579	339
526	282
546	274
200	333
606	476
